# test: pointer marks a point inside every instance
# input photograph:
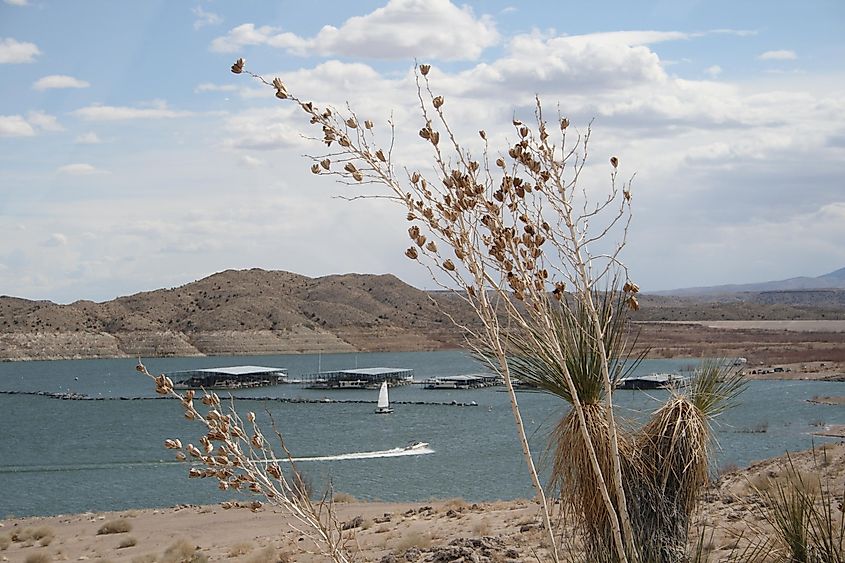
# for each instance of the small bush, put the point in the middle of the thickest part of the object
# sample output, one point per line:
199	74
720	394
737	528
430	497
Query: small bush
481	528
41	533
416	539
183	551
241	548
457	503
148	558
269	555
5	542
38	558
344	498
119	526
127	542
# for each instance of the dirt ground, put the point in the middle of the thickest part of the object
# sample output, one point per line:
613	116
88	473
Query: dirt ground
731	515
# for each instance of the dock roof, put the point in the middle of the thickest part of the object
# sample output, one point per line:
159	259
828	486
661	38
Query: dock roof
238	370
369	371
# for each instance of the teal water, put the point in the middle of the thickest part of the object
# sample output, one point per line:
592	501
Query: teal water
73	456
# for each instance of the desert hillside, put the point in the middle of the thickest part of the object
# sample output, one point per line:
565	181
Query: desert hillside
269	312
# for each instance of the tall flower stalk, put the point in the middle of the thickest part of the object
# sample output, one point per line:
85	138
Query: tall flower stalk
510	234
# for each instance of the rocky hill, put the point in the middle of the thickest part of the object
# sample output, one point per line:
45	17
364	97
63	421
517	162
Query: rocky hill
272	312
232	312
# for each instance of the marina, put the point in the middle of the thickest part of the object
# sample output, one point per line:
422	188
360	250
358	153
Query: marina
468	381
232	377
360	378
100	459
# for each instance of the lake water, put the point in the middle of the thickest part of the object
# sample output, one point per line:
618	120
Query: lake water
73	456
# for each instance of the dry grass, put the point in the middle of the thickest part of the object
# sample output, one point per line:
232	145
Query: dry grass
241	548
344	498
146	558
269	555
183	551
482	528
127	542
38	558
119	526
5	542
414	538
456	503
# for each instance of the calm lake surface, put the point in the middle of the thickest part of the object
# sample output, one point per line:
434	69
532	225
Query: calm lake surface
72	456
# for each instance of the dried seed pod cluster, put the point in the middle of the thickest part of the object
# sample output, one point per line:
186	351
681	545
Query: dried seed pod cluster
517	224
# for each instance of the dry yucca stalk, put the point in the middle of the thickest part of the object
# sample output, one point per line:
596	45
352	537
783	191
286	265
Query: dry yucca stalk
239	456
510	235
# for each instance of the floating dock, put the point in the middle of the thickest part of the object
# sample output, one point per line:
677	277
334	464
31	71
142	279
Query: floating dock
360	378
233	377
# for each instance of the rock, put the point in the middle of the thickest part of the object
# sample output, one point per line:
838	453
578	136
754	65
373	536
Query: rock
354	523
389	558
412	554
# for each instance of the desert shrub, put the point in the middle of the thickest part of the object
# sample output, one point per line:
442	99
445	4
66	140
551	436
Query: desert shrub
146	558
38	558
127	542
183	551
807	517
481	528
241	548
344	498
269	555
119	526
5	542
414	538
457	503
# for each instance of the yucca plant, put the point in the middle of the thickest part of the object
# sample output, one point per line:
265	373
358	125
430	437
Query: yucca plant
807	517
545	364
671	467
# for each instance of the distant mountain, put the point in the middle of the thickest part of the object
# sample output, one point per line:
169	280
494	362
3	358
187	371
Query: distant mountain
833	280
236	312
242	312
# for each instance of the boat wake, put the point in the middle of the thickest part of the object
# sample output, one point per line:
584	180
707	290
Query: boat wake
419	448
393	452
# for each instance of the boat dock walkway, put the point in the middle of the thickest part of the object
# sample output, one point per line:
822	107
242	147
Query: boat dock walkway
69	396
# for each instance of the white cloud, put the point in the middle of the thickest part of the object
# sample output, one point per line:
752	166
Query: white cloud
15	126
18	126
79	169
89	138
713	71
44	121
263	129
122	113
204	18
402	29
250	161
209	87
13	51
59	81
56	239
17	2
780	55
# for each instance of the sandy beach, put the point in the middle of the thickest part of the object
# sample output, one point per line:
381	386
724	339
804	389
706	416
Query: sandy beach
445	530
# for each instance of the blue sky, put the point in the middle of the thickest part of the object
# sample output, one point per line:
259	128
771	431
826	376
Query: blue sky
131	159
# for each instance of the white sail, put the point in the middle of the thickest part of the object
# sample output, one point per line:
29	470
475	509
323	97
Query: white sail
382	396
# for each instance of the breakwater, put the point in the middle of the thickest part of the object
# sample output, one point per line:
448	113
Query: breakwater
70	396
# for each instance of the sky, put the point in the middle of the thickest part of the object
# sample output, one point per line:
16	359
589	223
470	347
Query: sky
132	159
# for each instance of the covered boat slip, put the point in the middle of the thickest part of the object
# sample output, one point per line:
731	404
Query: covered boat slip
360	378
469	381
233	377
652	381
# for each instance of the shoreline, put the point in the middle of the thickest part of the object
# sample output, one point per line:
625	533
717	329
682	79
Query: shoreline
409	531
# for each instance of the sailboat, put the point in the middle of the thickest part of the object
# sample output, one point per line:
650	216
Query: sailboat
383	403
